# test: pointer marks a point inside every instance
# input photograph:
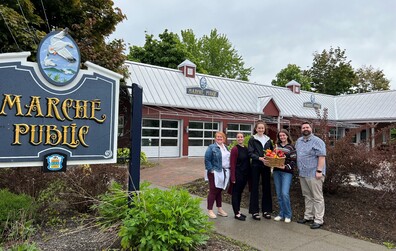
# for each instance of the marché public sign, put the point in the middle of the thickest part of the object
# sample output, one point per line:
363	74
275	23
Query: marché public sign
54	107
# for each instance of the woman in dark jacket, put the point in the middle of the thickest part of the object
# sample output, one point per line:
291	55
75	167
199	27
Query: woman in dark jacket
257	145
240	170
284	174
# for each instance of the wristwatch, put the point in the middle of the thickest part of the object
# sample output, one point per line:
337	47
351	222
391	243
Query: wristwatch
319	171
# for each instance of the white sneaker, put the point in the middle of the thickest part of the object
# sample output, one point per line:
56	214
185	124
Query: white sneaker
287	220
278	218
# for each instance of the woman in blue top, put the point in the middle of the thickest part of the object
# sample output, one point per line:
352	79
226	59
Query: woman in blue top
217	165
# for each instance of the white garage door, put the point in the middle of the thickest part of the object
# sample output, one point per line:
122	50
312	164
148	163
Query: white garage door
200	135
160	138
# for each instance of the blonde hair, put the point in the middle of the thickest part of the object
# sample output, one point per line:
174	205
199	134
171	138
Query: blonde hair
222	134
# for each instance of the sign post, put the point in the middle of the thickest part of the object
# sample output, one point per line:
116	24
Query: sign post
136	135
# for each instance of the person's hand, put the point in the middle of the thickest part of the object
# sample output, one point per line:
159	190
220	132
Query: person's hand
318	176
265	161
281	167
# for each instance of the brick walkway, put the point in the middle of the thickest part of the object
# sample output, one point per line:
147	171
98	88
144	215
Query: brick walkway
171	172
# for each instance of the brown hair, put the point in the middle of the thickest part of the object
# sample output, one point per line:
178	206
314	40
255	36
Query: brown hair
240	133
258	123
289	139
306	123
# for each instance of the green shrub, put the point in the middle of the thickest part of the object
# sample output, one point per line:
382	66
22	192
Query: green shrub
112	206
234	143
23	247
164	220
12	206
53	202
124	153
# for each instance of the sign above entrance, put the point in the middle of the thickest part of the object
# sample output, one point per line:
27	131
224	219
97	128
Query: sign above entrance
202	90
45	112
312	104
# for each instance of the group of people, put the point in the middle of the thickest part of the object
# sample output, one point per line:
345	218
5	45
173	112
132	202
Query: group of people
242	165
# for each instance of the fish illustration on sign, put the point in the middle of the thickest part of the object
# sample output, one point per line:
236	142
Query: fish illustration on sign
59	58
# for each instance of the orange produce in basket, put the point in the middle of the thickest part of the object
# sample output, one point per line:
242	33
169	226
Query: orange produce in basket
275	158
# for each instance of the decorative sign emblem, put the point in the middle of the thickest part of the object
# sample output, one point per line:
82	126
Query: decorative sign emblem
312	98
203	83
55	162
203	89
58	58
312	104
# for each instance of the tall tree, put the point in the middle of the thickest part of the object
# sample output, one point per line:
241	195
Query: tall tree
194	48
25	22
212	54
370	79
219	57
292	72
168	51
331	72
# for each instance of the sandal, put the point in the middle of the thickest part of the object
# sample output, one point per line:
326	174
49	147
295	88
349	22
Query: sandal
267	215
256	216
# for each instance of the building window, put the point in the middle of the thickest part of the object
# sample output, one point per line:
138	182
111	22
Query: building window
201	133
363	135
160	132
233	129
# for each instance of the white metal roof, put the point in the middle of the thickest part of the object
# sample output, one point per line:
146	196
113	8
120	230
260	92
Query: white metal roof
167	87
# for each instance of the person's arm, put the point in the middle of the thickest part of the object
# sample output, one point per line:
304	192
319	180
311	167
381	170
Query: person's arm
208	159
321	163
233	162
251	149
291	157
319	168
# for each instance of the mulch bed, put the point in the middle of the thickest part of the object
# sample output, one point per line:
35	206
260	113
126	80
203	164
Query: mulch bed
353	211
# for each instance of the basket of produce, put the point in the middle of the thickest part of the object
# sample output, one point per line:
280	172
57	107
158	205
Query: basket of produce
275	158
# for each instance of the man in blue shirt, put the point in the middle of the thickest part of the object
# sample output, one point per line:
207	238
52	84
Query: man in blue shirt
311	163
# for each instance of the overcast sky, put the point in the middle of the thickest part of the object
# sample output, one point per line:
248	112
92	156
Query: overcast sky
269	35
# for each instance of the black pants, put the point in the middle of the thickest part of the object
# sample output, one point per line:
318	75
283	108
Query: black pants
259	170
237	189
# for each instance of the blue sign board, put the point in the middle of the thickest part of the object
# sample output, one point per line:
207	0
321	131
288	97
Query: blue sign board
77	117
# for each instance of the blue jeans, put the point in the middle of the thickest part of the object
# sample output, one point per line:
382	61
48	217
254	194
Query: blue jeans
282	181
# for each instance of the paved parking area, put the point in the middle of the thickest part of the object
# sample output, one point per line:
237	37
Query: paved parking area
171	172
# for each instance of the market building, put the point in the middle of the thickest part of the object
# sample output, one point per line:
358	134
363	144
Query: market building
182	109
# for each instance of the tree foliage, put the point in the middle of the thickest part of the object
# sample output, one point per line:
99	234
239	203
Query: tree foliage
292	72
219	58
24	23
331	72
213	54
369	79
168	51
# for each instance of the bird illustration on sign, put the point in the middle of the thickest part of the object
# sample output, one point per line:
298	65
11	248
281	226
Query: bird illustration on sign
59	57
58	46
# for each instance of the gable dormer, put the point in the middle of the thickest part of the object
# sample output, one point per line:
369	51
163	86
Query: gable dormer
294	86
188	68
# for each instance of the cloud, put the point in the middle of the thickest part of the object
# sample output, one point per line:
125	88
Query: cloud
271	34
